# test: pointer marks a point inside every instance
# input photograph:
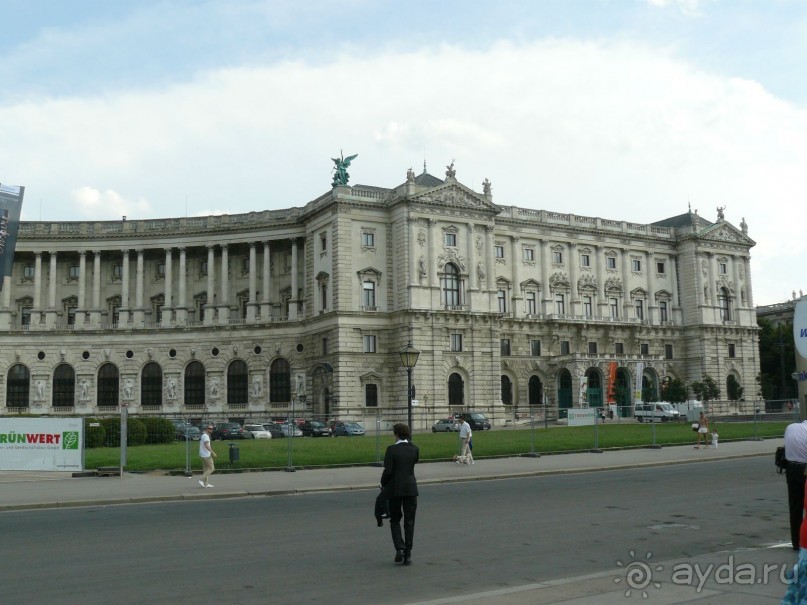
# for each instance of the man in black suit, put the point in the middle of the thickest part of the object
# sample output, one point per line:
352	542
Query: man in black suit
399	484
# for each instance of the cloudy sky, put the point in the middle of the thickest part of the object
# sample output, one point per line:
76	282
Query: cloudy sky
623	109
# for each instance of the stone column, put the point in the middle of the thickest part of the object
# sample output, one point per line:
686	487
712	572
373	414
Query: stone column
431	257
125	309
36	312
674	286
599	275
210	306
266	299
749	291
712	280
294	286
739	303
224	307
139	311
168	294
253	284
95	310
472	277
574	263
82	267
414	255
51	313
626	273
181	314
651	297
5	311
515	295
490	243
546	300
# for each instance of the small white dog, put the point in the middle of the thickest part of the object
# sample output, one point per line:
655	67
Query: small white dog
714	439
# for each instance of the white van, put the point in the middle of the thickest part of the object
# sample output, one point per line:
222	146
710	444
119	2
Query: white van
654	412
689	409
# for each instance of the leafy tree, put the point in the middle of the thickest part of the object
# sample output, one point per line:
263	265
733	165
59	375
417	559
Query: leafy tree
706	389
674	390
777	359
733	389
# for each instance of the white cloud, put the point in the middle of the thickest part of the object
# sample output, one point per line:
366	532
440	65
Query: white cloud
618	130
687	7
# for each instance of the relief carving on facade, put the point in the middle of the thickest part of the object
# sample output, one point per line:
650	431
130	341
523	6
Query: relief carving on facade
586	282
613	284
559	279
451	256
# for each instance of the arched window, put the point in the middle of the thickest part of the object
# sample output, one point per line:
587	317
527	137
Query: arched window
723	303
507	391
195	383
64	386
280	382
108	385
536	391
450	291
18	386
456	390
237	390
151	384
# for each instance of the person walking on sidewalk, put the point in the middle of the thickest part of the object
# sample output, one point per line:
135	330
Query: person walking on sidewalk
703	431
465	457
207	454
796	454
401	487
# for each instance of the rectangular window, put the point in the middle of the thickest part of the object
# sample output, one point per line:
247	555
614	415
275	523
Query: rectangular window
636	264
723	268
323	242
456	343
505	347
368	294
73	271
613	304
585	260
325	345
451	240
531	303
662	310
28	272
369	343
71	316
498	251
368	239
502	300
161	269
619	348
117	271
732	350
644	349
203	267
324	296
25	316
557	257
529	254
592	348
245	264
535	348
560	304
115	314
564	347
610	262
660	268
668	351
588	307
371	395
639	304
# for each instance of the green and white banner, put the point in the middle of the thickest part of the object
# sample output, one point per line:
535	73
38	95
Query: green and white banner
41	444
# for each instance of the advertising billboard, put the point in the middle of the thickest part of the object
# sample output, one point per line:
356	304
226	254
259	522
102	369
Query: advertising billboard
10	206
41	444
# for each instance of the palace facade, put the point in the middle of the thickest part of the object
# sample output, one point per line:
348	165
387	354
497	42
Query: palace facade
306	309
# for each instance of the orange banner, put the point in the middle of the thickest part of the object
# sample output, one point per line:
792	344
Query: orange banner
611	390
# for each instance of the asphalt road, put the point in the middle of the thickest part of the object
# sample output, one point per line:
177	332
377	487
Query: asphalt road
326	548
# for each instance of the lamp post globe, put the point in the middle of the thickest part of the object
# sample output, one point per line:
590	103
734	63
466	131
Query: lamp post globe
409	358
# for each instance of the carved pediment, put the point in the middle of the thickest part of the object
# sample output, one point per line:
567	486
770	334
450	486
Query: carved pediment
613	284
587	282
725	232
456	195
559	279
450	256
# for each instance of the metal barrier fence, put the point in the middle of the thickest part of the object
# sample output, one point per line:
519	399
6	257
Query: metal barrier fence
258	441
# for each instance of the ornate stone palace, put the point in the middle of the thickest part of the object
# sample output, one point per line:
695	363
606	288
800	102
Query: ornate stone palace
307	308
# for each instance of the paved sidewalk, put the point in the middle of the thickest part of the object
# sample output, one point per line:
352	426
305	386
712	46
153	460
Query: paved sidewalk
32	490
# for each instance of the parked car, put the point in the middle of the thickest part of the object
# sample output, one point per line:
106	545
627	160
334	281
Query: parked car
273	429
446	425
228	430
340	428
477	421
314	428
287	429
194	433
653	412
256	431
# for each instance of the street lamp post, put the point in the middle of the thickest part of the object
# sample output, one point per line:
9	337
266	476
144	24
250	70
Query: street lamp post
409	358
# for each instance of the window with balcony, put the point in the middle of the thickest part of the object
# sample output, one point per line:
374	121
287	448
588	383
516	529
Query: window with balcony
662	311
450	286
613	305
531	302
639	306
723	303
501	299
368	295
560	304
588	306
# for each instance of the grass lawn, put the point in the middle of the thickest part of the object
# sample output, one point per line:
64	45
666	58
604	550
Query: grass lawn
307	452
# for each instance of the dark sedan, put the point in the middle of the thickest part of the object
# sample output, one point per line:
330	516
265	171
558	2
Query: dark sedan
346	429
228	430
314	428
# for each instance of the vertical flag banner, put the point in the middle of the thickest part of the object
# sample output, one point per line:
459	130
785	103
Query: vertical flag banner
637	394
10	206
611	382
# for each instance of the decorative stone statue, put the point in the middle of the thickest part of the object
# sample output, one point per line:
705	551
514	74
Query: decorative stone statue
128	389
40	390
300	384
214	388
410	176
422	267
84	389
486	187
256	386
744	226
480	271
171	388
450	172
342	163
720	215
